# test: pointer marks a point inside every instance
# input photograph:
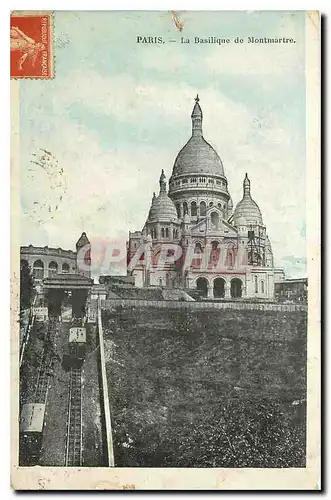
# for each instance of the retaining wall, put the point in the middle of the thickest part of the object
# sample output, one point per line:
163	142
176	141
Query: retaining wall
109	303
109	434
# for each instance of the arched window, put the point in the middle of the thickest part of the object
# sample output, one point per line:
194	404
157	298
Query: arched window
211	204
160	281
256	284
198	248
52	268
202	208
25	265
38	269
196	262
215	218
167	280
178	210
167	232
215	253
162	232
185	208
65	268
262	286
193	209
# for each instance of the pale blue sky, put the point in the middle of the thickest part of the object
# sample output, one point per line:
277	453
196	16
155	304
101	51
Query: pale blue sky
118	112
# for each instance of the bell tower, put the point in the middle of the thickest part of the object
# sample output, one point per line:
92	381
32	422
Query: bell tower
83	256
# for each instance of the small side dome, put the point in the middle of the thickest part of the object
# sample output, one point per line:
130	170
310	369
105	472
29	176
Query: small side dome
247	209
241	221
151	210
162	208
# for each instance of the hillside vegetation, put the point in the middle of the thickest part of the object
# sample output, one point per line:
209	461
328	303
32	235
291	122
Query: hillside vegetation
212	388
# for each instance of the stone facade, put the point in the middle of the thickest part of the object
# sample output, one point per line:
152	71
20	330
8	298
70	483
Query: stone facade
46	262
223	253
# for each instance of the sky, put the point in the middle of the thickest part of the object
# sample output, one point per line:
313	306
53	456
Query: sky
118	112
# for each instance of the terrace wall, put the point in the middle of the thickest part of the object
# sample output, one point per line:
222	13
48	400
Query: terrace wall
250	306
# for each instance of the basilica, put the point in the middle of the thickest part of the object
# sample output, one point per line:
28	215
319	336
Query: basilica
224	252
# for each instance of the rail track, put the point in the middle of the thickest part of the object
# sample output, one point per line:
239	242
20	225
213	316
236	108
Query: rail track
74	426
42	384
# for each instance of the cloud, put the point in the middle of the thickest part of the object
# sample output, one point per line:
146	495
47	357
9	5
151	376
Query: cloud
104	191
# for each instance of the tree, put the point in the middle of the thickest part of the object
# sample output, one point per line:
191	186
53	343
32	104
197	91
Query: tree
26	286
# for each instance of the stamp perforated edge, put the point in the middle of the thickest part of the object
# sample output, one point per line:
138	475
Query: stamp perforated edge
50	14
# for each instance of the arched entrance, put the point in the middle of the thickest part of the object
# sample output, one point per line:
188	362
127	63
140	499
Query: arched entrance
236	288
202	286
219	288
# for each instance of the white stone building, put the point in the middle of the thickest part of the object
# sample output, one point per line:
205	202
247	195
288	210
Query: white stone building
224	253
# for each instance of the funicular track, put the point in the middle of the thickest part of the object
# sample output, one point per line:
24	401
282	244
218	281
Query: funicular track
74	426
42	384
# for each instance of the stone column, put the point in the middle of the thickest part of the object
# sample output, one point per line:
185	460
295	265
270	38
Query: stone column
227	288
210	293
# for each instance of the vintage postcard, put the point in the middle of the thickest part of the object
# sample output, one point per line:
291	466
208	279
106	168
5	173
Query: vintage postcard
165	250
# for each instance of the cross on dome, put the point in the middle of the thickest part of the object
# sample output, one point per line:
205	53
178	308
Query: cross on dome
196	118
247	186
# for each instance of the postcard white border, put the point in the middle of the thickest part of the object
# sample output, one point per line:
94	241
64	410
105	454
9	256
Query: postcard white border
56	478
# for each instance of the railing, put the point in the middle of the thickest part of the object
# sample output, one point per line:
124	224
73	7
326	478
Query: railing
109	436
174	304
26	336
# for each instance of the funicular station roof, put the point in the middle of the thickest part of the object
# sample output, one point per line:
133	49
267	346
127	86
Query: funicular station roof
68	282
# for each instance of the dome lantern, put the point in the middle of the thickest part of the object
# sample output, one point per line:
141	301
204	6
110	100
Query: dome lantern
247	186
196	117
162	207
162	182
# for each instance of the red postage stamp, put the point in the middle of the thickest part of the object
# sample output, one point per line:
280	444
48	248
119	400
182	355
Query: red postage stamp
31	45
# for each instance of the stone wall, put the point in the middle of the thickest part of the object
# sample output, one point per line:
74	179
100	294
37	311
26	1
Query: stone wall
109	303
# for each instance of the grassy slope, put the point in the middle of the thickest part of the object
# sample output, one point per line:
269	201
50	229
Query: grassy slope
207	388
